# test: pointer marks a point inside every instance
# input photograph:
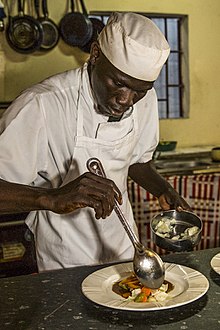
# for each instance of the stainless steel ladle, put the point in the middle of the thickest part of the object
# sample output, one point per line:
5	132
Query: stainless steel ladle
148	266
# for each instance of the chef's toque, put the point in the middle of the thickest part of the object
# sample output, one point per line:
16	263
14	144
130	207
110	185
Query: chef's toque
134	45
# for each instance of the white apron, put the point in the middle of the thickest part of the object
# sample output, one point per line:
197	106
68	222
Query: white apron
78	238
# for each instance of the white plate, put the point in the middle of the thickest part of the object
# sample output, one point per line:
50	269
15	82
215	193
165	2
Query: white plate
189	285
215	263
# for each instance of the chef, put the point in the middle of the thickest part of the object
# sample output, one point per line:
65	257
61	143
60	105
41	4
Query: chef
105	109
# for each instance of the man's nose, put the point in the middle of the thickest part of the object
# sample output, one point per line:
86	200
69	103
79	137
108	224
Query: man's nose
126	97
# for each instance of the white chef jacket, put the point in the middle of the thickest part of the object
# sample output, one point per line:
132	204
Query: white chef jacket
47	135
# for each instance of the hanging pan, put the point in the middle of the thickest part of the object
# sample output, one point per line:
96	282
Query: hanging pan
50	29
75	27
24	33
98	25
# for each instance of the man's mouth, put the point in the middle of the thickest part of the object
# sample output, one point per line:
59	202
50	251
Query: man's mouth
111	111
115	112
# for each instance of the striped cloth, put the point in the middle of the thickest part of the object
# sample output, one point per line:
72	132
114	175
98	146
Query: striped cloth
201	191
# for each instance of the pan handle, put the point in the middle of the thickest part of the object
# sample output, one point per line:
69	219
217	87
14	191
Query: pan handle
21	7
72	6
83	8
45	9
37	8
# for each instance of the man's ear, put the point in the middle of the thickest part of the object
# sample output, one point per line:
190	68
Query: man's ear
95	52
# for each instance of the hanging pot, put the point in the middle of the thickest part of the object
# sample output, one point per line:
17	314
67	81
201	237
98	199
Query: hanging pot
50	29
98	25
75	27
24	33
2	16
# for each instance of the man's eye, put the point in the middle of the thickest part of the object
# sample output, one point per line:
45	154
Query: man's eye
117	83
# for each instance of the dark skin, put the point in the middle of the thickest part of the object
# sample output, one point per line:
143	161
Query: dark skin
114	92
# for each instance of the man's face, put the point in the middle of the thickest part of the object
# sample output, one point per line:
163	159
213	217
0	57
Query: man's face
114	91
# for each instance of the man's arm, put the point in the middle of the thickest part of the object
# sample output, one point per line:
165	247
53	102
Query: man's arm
146	175
86	190
18	198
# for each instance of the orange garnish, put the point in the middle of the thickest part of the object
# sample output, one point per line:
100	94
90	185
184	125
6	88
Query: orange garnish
146	291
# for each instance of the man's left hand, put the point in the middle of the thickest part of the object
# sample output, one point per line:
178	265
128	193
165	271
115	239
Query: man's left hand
170	199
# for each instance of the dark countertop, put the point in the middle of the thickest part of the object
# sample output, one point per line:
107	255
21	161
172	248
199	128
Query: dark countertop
54	300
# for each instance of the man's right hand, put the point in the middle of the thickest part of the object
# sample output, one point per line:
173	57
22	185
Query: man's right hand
87	190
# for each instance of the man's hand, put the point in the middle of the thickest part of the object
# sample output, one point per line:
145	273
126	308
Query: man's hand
146	175
170	199
87	190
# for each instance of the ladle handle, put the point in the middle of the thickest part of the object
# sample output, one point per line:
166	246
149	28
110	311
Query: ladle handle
95	166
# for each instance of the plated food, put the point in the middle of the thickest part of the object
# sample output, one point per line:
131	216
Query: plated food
130	288
188	285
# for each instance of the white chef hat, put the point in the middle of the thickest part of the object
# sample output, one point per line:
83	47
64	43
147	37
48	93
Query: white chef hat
134	45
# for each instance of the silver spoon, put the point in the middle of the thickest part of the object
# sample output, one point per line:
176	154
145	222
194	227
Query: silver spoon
148	266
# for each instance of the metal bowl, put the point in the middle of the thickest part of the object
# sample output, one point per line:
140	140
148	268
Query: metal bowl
166	146
176	231
215	154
